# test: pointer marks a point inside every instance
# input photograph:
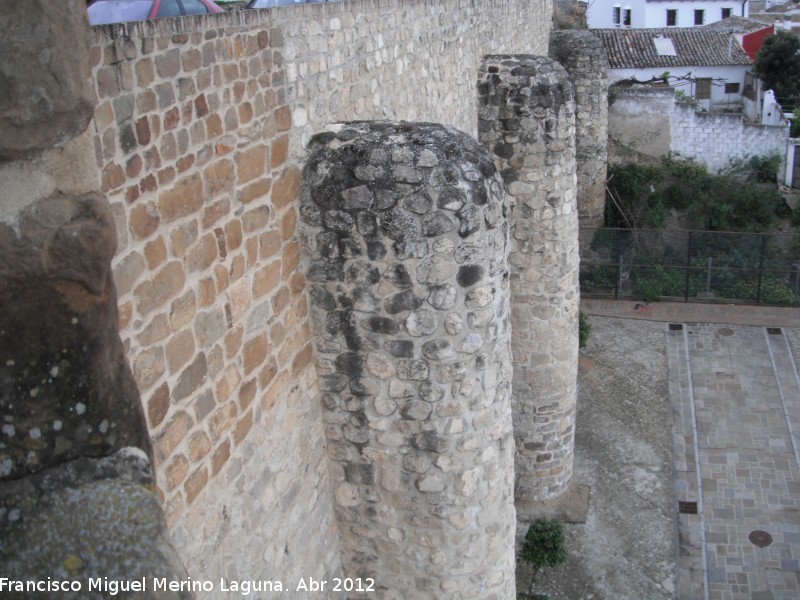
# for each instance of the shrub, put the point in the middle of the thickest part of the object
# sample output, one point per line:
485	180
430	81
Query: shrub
601	277
773	291
766	167
643	196
796	215
544	544
647	290
653	282
543	547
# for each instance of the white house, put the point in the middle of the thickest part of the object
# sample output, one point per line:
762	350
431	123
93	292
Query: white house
708	65
759	107
601	14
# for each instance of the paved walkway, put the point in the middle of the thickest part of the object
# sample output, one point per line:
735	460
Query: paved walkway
688	312
735	397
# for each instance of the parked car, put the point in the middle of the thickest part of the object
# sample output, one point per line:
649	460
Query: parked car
271	3
102	12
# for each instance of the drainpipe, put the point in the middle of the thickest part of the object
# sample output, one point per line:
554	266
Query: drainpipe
743	3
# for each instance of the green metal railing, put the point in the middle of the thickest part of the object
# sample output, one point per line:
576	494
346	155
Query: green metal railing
702	266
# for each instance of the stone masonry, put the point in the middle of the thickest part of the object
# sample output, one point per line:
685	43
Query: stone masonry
192	158
583	56
199	134
645	123
192	142
408	278
527	121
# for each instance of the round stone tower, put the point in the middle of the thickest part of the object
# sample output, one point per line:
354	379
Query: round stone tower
407	239
527	121
582	54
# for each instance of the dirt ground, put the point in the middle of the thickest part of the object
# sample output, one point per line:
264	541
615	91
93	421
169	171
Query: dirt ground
626	548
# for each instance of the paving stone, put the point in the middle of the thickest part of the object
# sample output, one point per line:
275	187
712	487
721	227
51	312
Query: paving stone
735	392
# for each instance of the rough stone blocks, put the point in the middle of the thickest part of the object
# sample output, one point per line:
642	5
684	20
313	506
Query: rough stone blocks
407	239
527	121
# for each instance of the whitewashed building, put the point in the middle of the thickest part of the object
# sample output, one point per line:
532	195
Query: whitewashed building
633	14
710	66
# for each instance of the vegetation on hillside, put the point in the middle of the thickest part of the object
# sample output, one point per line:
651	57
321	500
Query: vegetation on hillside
677	195
743	197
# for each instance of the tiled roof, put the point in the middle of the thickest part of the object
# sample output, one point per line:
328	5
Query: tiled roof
737	25
694	47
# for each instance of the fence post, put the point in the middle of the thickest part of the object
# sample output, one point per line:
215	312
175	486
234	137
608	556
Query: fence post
761	266
618	283
796	272
688	267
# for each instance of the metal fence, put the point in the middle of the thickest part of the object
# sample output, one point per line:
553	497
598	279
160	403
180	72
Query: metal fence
706	266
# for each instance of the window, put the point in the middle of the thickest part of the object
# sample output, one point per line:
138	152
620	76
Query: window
615	15
702	89
672	17
699	16
726	13
626	16
731	88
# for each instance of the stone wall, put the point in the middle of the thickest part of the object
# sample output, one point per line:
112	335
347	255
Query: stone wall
648	123
199	134
715	139
638	124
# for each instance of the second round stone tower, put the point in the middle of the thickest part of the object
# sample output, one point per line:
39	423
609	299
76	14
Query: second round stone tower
527	121
407	241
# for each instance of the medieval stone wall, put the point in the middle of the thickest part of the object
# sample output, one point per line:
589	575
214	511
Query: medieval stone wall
583	56
199	134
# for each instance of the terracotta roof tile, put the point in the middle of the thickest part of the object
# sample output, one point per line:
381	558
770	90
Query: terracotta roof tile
694	47
737	25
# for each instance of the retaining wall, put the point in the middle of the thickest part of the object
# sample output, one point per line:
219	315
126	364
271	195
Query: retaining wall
715	139
647	122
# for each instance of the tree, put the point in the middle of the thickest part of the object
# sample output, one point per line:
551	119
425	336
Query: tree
778	65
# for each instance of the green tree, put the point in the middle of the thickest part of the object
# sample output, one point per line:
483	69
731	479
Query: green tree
778	65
